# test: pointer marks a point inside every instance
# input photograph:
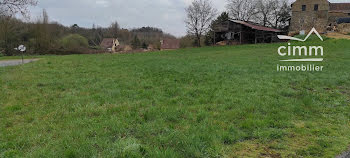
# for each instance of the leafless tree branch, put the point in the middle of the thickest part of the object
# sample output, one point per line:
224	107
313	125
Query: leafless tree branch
199	16
12	7
242	9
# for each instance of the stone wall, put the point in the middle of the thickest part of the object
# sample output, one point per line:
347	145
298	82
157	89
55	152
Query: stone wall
306	20
322	5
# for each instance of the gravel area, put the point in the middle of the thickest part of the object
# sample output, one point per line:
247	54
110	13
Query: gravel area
345	154
4	63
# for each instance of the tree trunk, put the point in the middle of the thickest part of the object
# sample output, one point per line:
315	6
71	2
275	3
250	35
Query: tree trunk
198	40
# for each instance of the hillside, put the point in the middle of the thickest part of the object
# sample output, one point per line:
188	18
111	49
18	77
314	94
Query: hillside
204	102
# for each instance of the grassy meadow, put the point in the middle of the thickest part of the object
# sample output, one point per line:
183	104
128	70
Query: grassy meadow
203	102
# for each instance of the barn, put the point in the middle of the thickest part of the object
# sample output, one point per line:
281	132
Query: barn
243	32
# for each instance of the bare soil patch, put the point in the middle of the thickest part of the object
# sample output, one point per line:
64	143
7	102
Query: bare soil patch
337	35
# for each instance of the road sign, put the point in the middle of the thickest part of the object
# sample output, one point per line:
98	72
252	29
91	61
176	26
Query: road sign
22	48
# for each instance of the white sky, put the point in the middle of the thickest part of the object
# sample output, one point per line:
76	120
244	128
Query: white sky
169	15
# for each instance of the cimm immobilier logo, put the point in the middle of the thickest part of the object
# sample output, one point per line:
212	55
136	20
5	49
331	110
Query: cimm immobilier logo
301	54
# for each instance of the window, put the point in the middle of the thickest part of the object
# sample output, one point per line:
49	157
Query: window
349	14
316	7
303	7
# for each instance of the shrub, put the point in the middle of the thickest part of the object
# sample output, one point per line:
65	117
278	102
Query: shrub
144	45
136	43
96	47
74	42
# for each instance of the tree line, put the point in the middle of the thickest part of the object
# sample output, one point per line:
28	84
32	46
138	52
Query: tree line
45	37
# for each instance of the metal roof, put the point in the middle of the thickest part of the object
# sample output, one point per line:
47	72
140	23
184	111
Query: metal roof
339	7
107	43
256	27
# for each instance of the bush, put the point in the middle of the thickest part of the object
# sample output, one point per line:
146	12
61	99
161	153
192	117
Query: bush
186	41
96	47
144	45
136	43
74	42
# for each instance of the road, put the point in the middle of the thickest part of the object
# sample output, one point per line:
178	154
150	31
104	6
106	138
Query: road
4	63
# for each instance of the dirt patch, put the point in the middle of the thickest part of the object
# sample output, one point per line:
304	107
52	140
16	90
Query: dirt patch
337	35
269	154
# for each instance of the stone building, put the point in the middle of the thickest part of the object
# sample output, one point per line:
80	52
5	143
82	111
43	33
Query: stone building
110	44
320	14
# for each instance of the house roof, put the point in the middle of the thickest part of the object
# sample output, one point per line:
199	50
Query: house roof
107	43
339	7
170	44
256	27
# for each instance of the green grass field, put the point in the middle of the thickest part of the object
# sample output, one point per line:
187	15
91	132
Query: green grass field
204	102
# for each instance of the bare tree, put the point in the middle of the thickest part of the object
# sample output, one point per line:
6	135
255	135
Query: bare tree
243	10
15	6
282	15
275	9
273	13
7	32
42	34
266	10
199	16
113	29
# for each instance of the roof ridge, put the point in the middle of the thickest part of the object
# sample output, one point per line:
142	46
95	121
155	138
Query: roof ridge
256	26
339	6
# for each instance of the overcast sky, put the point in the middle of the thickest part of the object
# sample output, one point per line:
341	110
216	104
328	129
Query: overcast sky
168	15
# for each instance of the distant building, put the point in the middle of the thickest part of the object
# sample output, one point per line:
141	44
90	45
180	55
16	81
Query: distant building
320	14
110	44
243	32
169	44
